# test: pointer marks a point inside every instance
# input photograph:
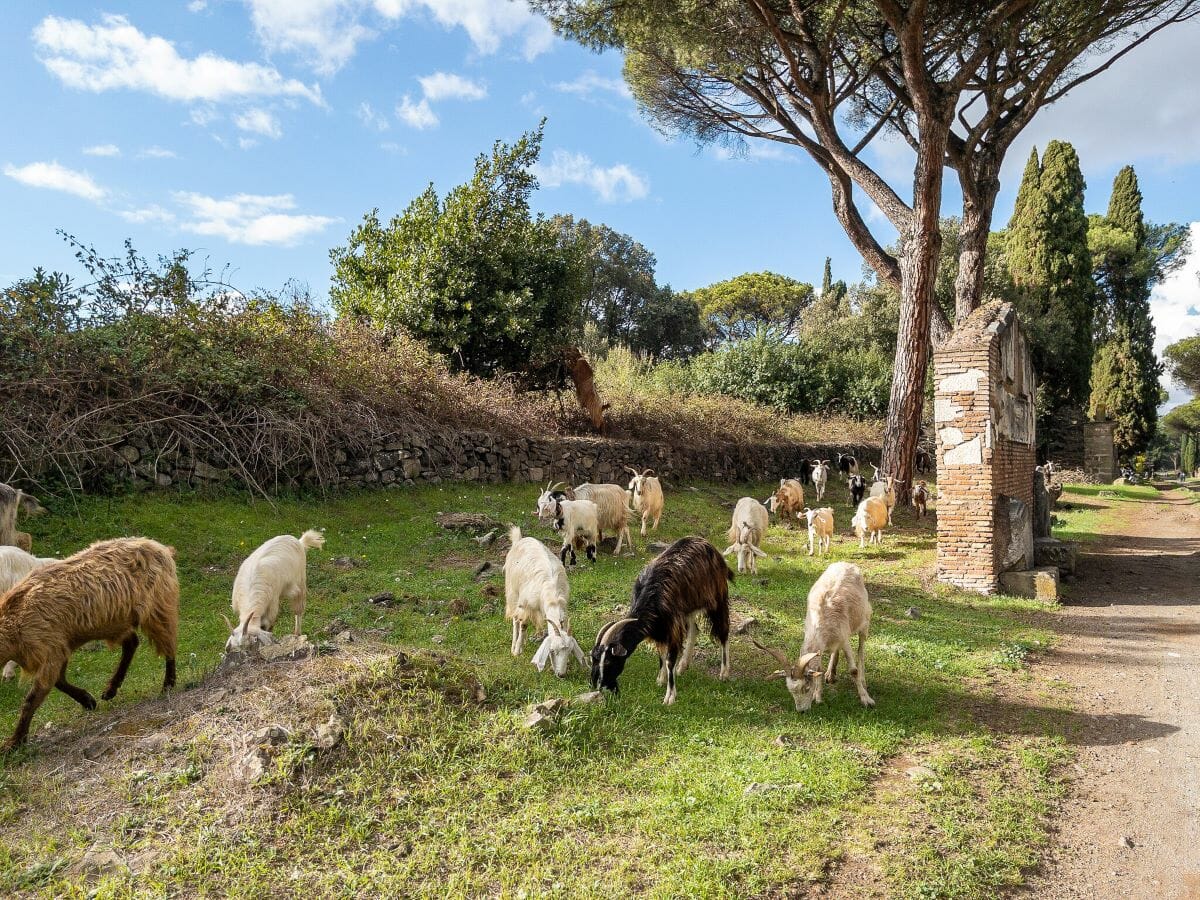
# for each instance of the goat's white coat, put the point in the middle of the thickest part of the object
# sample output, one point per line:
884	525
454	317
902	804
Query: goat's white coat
820	478
536	591
581	520
612	509
885	489
275	571
646	494
869	520
820	528
746	532
15	564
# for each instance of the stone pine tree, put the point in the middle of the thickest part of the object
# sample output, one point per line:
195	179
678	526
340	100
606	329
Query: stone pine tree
1125	373
1051	267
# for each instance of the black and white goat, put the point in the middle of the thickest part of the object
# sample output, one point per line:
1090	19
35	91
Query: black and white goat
847	465
806	467
858	489
688	579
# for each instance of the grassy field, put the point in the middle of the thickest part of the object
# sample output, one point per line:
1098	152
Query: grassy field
1079	518
941	790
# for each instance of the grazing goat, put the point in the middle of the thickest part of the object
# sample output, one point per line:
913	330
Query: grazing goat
869	521
820	477
15	564
578	520
13	501
858	488
920	498
847	465
820	528
611	506
806	467
838	609
535	594
923	460
886	491
787	501
104	593
746	533
686	580
647	496
276	570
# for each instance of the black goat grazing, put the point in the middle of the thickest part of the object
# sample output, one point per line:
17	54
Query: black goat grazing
858	487
806	467
923	462
688	578
847	465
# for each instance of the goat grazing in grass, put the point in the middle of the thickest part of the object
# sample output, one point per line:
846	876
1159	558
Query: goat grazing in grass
107	592
920	498
277	570
838	609
612	507
820	528
869	520
535	594
746	533
13	501
787	501
578	520
647	495
688	579
820	478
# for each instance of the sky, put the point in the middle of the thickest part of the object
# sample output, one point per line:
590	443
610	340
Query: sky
258	132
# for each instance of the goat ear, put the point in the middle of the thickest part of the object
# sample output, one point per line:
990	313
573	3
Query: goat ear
577	651
542	655
730	549
618	650
757	552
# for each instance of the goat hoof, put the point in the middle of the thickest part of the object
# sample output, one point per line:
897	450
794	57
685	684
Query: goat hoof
867	701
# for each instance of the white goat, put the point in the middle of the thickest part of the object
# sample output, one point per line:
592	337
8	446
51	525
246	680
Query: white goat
820	528
13	501
535	593
647	496
276	570
612	507
746	533
578	520
869	521
15	564
838	609
820	478
886	491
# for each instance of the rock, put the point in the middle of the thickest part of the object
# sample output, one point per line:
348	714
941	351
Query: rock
251	766
343	637
217	696
920	773
484	570
589	697
272	735
787	741
913	613
466	521
293	647
329	734
741	625
1040	584
657	546
96	750
543	715
1125	842
386	598
129	453
486	540
346	562
763	787
438	639
100	859
1049	551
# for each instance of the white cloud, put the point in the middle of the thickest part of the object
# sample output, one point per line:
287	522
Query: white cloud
616	183
369	117
249	218
115	55
416	115
329	32
147	214
1175	306
259	121
53	177
204	116
245	143
756	151
156	152
197	6
448	86
591	82
102	150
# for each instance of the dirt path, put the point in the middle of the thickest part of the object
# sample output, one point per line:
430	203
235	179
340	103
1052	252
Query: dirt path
1130	647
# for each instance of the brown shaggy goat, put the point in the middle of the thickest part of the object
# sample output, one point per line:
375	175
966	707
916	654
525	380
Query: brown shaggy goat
104	593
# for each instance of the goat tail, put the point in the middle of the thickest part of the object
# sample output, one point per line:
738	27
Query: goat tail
312	540
514	534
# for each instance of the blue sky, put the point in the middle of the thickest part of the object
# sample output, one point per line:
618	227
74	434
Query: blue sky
260	131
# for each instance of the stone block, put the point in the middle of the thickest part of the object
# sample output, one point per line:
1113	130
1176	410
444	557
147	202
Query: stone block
1040	583
1062	555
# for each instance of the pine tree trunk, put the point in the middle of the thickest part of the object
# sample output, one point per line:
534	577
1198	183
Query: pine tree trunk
973	232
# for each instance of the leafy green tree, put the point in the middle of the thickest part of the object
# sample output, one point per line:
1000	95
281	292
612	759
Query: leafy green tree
668	326
740	307
1183	362
472	274
1051	267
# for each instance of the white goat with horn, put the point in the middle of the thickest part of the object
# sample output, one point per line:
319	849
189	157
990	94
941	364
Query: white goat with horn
645	492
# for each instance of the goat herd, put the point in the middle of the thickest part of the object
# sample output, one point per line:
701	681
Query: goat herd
115	588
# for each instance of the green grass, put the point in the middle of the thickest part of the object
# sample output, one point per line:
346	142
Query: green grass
1081	518
435	794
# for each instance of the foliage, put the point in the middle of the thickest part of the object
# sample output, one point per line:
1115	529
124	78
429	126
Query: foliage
1184	419
1183	362
1189	452
473	274
1051	267
740	307
668	327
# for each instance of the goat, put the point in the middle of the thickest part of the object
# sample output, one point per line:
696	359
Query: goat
820	528
806	467
838	609
535	594
277	569
686	580
107	592
920	498
13	501
847	465
885	489
15	564
578	520
923	460
869	521
746	533
858	488
820	477
611	507
647	496
787	501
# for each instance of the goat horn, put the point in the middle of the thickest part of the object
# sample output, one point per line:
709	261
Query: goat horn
779	655
805	660
228	624
615	625
633	470
647	472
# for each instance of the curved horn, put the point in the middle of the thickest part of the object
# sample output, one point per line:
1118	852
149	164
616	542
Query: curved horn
647	472
553	626
632	471
608	632
228	624
779	655
805	660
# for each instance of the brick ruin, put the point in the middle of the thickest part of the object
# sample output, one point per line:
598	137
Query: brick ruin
1099	452
986	450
